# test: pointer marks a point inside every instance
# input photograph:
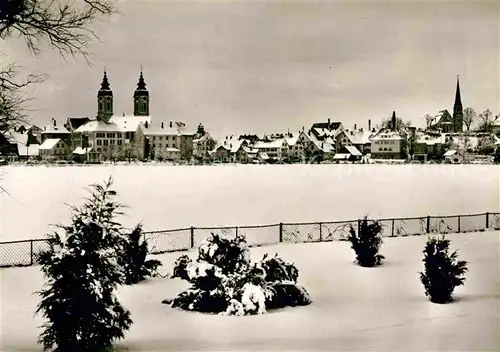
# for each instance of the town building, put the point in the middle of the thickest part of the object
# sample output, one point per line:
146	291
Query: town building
447	123
157	141
203	143
108	133
53	131
53	149
389	143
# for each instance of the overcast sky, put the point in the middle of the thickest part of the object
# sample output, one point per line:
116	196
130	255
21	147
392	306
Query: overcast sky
268	67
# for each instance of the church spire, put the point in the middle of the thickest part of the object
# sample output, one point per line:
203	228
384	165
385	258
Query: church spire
458	110
458	98
104	100
141	97
105	82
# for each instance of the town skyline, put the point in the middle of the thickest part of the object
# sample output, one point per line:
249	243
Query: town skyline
255	68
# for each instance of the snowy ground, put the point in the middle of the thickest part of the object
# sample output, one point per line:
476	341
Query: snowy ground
354	308
170	197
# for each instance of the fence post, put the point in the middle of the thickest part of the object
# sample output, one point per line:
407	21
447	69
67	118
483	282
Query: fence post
392	230
458	223
281	232
320	232
192	236
428	224
487	220
31	252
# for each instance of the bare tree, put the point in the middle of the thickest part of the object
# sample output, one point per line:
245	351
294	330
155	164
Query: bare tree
400	124
486	123
429	119
469	117
64	24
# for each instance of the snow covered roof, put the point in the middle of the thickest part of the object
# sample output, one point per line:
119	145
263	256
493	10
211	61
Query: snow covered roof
157	130
291	141
268	145
171	149
263	156
353	150
79	151
450	152
361	137
341	156
31	150
387	134
48	144
129	123
98	126
55	129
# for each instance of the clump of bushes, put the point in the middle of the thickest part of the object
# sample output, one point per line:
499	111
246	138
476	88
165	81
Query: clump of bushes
366	243
224	280
442	270
133	258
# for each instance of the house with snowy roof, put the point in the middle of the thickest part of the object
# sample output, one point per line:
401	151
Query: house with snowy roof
347	153
273	149
203	143
293	149
54	149
20	145
429	146
55	131
162	142
389	143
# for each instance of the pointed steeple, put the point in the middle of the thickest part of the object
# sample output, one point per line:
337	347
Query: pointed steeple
393	121
104	100
105	82
458	98
141	97
458	113
141	85
141	89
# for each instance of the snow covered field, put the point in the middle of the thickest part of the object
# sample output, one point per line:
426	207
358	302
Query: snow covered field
169	197
354	308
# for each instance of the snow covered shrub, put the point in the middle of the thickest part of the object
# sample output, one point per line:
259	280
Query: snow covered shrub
366	243
224	280
277	270
132	258
180	267
82	273
229	255
442	270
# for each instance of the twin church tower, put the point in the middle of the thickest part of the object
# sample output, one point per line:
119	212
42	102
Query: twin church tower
105	99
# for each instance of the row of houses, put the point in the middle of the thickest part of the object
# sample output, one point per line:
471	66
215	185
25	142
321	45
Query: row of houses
121	137
331	142
138	137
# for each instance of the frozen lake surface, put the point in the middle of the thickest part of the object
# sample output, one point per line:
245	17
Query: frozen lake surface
354	309
169	197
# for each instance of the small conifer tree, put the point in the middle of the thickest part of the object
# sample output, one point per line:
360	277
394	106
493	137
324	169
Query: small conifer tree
78	301
442	270
366	243
133	258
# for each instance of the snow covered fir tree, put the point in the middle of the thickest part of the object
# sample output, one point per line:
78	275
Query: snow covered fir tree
366	242
133	258
83	270
443	272
225	281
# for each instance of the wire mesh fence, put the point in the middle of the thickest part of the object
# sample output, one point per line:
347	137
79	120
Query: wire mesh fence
24	253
